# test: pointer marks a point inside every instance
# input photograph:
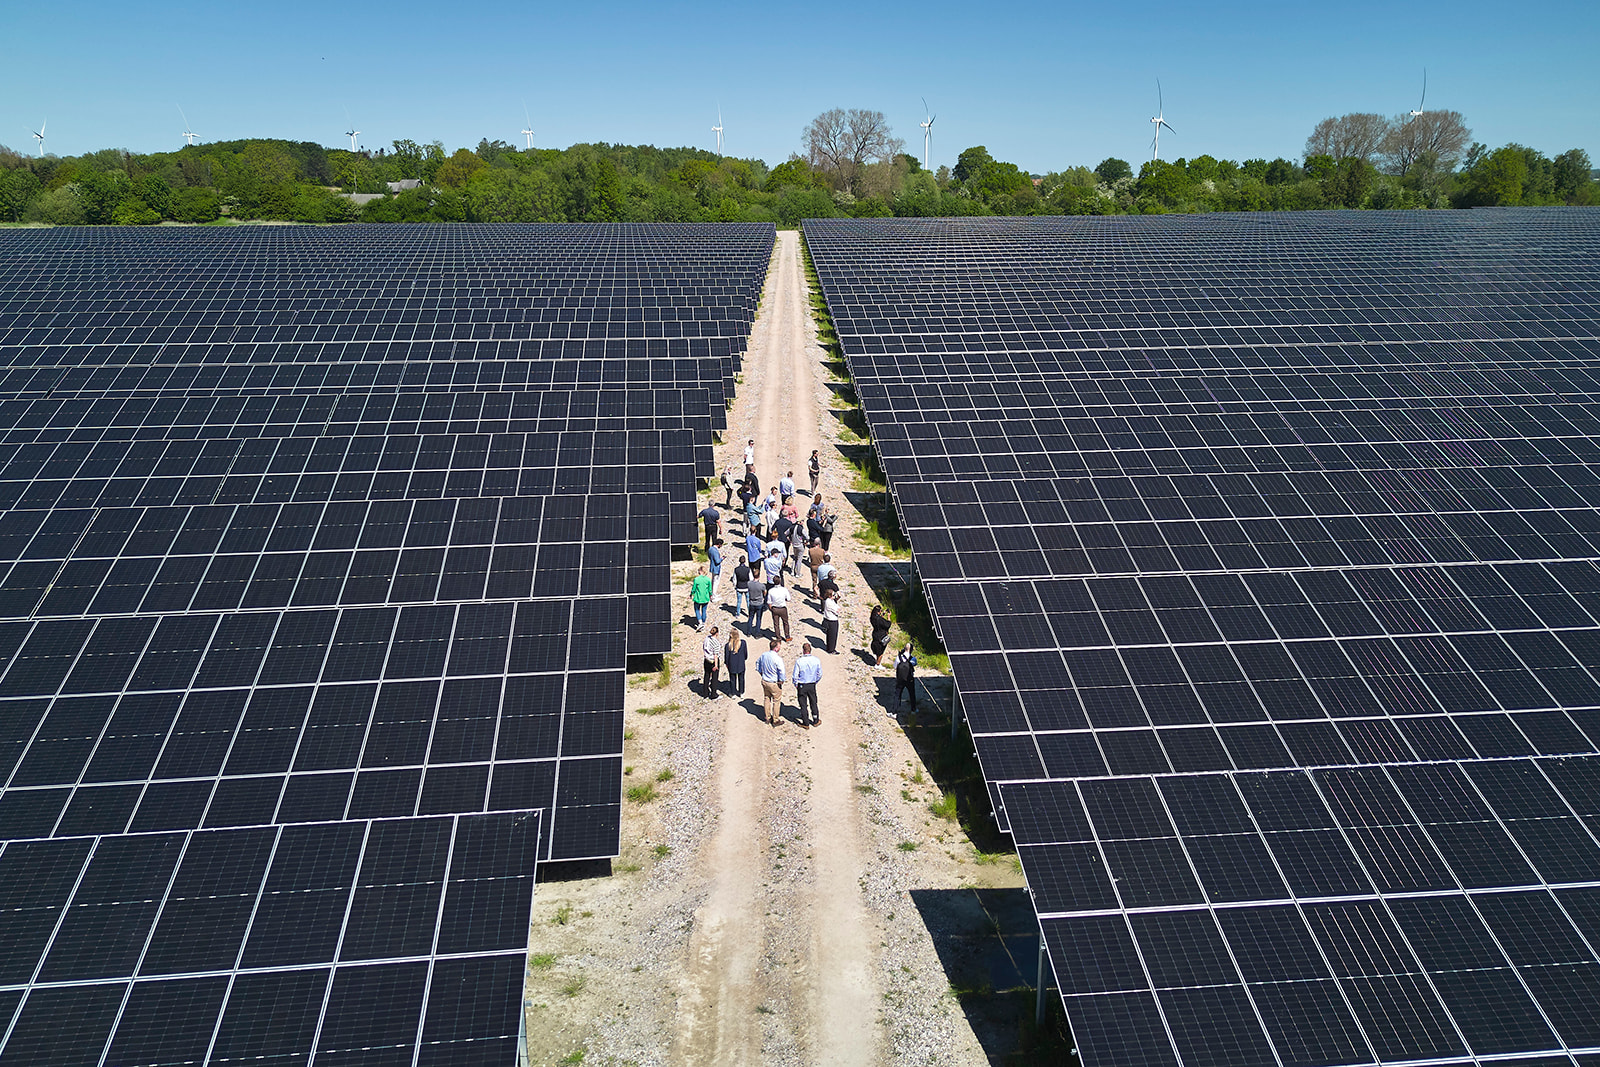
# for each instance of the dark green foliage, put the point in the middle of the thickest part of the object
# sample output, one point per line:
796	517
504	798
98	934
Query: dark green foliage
1113	170
497	182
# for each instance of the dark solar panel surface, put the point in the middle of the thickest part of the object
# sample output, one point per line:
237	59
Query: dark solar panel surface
321	560
1265	551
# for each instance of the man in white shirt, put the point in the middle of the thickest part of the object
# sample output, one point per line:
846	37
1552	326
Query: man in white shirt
750	455
807	673
770	667
830	620
778	605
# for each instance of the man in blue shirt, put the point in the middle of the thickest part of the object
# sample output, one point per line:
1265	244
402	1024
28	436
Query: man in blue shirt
770	667
754	549
714	554
711	518
786	486
807	673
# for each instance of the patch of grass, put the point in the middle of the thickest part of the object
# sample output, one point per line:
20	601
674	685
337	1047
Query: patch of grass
627	771
907	846
574	987
662	851
664	675
762	1009
917	777
868	476
629	868
563	915
627	735
868	789
664	774
944	807
575	1056
660	709
542	961
908	609
642	794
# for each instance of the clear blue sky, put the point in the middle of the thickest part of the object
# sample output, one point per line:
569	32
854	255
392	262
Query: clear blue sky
1044	86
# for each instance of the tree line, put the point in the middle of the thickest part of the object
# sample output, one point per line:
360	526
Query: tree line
850	164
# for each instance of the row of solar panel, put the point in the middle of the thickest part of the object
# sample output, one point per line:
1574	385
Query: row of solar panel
1301	620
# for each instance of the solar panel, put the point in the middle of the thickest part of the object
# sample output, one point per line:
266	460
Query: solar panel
323	555
1263	547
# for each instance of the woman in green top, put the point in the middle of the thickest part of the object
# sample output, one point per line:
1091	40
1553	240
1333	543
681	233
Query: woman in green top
700	593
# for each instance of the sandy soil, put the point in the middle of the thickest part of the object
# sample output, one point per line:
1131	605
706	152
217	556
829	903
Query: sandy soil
784	896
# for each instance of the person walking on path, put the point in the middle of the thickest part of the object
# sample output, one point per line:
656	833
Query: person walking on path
712	518
778	604
786	486
756	593
750	455
712	646
827	575
814	468
807	673
905	677
714	555
772	568
741	587
753	547
814	558
727	488
700	594
880	634
773	675
830	621
735	655
797	551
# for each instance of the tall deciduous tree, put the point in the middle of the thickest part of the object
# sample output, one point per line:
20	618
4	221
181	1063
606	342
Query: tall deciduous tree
1358	135
842	142
1438	137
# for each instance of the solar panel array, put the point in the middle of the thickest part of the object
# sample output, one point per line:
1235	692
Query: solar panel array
1267	552
322	555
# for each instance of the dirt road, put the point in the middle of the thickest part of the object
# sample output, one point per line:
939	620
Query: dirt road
830	1013
784	897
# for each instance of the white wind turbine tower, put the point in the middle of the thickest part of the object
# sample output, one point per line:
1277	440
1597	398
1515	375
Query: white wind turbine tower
188	134
927	131
527	131
1160	120
1418	112
38	135
717	129
352	133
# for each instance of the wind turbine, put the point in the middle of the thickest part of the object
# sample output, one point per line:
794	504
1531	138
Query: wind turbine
38	135
927	131
527	130
1160	120
352	132
717	129
188	134
1417	113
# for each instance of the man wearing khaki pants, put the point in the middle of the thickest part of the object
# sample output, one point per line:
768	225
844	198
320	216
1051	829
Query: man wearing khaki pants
770	667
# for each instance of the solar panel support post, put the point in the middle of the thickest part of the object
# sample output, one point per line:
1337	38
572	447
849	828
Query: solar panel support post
955	708
1038	991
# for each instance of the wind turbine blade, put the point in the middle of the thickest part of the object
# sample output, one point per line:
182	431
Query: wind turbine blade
1161	108
1169	127
42	125
1424	88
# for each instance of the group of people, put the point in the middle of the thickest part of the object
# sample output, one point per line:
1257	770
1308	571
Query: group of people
778	545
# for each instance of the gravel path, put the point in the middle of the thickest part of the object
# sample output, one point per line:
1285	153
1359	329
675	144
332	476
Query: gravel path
761	910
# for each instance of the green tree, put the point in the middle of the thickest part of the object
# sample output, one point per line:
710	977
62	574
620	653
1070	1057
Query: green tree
970	162
1113	170
157	194
1573	174
18	189
1498	177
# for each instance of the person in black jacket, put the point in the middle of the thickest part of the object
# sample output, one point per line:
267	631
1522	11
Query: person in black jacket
734	655
880	633
905	677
